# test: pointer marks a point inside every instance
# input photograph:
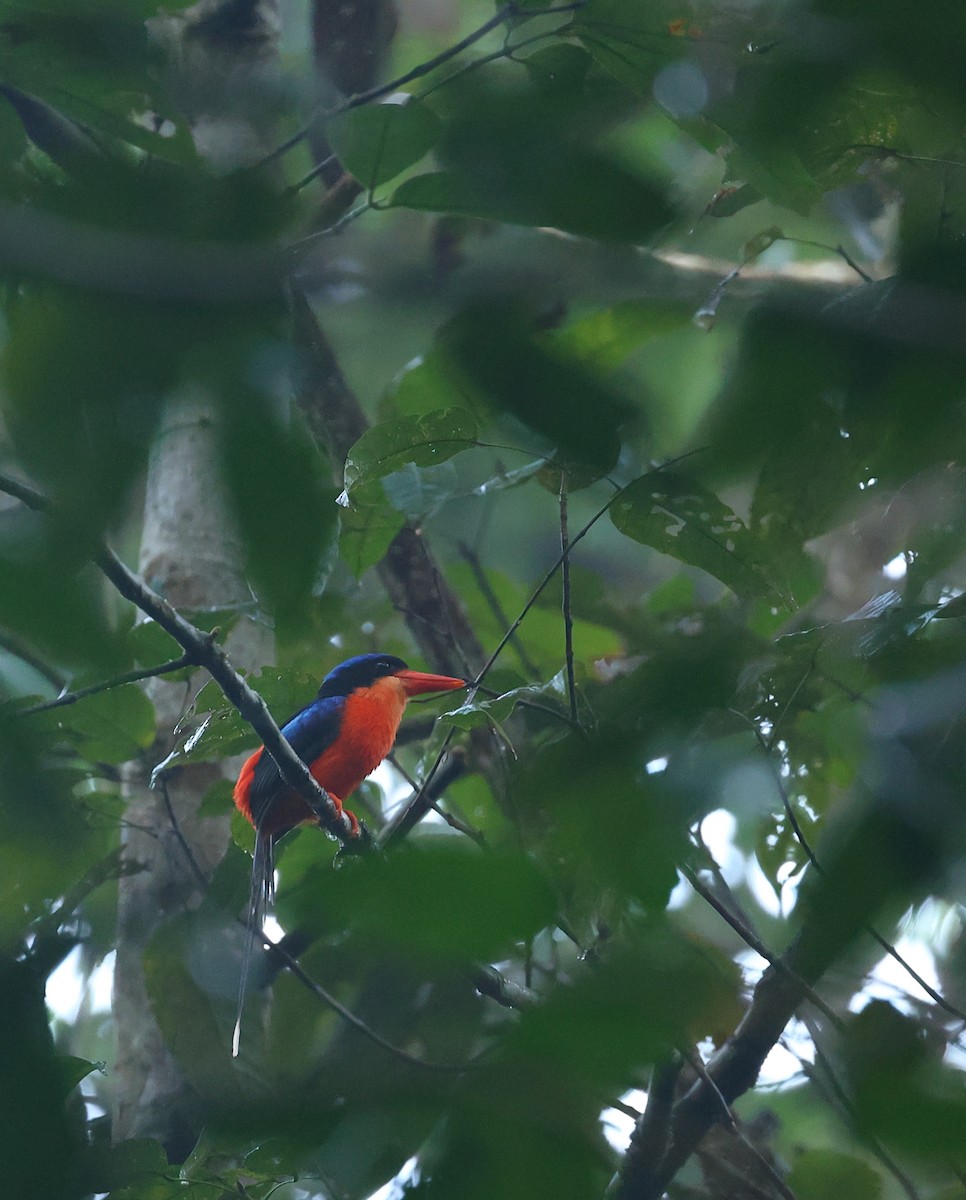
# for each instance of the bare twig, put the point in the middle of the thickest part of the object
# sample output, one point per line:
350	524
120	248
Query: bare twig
176	664
628	1110
723	886
697	1065
539	589
350	1018
755	943
162	786
475	835
455	768
839	250
481	579
565	602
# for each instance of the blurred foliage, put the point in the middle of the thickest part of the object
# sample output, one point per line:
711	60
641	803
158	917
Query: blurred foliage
768	624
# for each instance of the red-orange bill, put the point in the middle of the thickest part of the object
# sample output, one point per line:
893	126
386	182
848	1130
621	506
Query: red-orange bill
417	682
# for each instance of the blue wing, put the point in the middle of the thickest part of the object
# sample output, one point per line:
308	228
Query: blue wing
309	732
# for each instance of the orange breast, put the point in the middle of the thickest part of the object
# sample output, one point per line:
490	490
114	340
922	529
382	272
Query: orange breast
369	724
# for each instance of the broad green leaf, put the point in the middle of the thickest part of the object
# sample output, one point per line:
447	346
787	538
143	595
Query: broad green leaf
151	646
72	364
112	726
518	151
75	1069
217	801
699	992
424	440
829	1174
63	140
53	603
586	195
605	339
378	141
282	498
631	40
189	984
492	900
566	404
558	65
425	385
132	1168
366	530
777	172
483	713
684	519
418	491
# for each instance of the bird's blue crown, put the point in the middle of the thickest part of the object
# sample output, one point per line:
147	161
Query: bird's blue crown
359	672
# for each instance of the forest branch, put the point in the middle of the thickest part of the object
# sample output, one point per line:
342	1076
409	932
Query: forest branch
203	651
67	698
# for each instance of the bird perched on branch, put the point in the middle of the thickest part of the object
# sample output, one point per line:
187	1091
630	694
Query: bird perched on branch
342	736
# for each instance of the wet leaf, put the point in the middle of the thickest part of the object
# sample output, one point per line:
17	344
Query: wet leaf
423	440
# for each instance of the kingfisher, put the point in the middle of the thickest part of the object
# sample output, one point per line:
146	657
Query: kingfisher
342	736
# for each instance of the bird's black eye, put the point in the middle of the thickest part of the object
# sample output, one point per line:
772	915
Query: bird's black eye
384	665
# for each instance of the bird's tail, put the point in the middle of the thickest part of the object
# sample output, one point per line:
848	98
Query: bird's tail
262	898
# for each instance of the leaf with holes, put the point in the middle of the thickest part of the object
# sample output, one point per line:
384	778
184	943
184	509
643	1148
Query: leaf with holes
681	518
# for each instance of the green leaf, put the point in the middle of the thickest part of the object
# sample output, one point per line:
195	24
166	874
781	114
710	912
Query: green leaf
418	491
689	522
527	154
586	195
424	385
553	394
51	602
74	1069
631	40
559	65
829	1175
109	1168
181	977
217	801
366	531
150	646
483	713
777	172
224	732
605	339
491	901
282	499
378	141
425	441
112	726
63	140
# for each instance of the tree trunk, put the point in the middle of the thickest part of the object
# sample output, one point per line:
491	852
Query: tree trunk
222	62
191	554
